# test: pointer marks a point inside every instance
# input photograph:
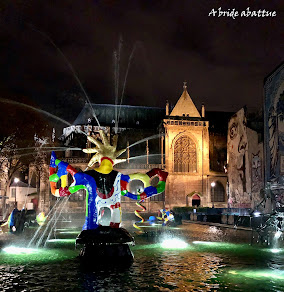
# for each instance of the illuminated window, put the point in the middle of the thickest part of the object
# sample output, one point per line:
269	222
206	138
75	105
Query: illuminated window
185	155
218	193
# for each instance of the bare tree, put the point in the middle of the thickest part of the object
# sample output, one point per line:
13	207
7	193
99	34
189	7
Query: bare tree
10	163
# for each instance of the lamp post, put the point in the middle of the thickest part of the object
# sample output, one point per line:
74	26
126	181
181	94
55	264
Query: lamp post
212	186
16	180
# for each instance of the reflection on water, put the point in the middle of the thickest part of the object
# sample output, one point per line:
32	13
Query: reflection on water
214	260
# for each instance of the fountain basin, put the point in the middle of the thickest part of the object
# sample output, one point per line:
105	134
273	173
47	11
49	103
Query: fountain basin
105	244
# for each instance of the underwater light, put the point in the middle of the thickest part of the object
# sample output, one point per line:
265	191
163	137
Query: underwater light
19	250
205	242
278	234
69	232
256	214
62	240
174	243
259	274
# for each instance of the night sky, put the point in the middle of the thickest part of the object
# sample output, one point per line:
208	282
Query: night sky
224	60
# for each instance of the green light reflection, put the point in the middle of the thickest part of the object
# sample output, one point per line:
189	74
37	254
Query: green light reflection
68	232
15	255
61	240
259	274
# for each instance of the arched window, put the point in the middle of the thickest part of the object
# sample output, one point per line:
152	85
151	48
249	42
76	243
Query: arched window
217	193
185	155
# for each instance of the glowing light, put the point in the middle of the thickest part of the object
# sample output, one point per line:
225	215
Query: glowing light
205	242
278	234
16	180
69	232
61	240
174	243
256	214
271	274
275	250
19	250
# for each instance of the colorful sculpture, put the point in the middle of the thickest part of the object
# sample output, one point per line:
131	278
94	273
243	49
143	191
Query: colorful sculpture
167	216
104	186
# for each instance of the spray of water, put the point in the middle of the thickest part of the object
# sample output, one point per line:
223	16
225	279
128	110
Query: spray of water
145	139
116	60
34	109
49	148
142	156
117	55
49	227
37	233
71	68
124	83
65	200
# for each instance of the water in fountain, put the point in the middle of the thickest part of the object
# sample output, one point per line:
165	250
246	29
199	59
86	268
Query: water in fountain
142	156
71	68
3	100
117	57
44	232
145	139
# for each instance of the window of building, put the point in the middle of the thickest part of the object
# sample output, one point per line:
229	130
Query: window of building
218	193
13	194
185	155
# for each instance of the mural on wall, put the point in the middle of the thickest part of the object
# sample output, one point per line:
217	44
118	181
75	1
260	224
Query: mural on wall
256	173
238	168
274	124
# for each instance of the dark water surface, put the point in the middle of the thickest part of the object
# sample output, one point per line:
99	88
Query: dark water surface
214	260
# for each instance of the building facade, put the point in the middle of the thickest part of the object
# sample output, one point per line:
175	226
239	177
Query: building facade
180	140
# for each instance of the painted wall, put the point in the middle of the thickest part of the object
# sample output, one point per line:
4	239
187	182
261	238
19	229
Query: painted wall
238	162
274	125
245	163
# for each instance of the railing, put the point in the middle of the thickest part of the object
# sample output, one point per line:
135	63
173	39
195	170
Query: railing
138	166
76	160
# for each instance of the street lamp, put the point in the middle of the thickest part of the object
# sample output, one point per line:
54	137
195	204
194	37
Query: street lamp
212	186
16	180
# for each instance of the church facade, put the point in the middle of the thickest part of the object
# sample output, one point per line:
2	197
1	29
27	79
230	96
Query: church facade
186	143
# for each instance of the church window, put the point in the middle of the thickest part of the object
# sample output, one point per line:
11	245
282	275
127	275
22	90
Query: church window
218	193
185	155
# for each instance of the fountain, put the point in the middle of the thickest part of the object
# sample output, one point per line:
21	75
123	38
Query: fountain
270	212
202	261
104	188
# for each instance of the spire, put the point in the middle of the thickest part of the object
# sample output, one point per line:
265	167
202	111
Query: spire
185	106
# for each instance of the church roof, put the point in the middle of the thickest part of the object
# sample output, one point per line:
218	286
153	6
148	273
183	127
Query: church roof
129	116
185	106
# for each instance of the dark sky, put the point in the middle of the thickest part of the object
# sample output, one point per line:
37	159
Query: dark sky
224	60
